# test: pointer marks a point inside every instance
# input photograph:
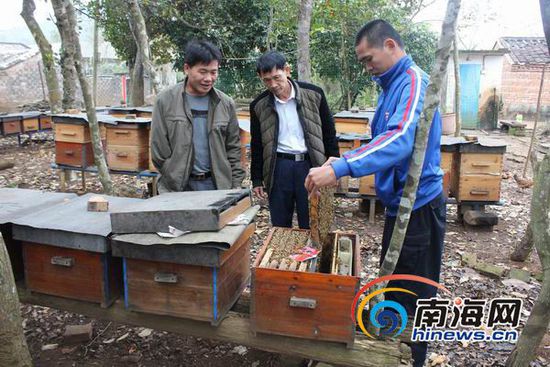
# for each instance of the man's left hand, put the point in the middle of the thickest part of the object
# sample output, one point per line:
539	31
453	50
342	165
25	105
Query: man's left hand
320	177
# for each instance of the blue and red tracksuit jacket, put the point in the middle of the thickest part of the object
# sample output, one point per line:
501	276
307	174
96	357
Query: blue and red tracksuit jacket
393	129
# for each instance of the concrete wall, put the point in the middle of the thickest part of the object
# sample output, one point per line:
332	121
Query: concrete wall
490	84
520	88
21	84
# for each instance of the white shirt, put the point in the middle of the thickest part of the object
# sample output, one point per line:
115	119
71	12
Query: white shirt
291	136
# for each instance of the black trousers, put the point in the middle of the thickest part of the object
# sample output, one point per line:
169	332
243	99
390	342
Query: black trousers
421	255
288	192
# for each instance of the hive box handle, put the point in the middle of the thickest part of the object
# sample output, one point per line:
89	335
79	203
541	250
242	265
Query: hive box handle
67	262
302	302
479	192
166	278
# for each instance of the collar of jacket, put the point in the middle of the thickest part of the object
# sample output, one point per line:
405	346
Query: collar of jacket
297	91
213	93
386	79
212	103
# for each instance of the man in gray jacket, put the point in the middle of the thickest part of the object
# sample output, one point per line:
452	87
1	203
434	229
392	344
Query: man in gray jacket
195	141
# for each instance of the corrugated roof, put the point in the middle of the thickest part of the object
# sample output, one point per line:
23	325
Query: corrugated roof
527	50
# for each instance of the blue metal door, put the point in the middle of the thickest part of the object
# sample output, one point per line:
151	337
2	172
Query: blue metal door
469	95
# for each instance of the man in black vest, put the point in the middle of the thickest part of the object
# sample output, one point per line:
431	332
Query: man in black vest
292	130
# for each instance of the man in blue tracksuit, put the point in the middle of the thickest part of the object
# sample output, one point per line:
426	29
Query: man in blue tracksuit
380	49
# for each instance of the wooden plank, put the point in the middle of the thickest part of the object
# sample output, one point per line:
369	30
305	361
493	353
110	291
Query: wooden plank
71	133
329	320
11	127
127	158
235	328
190	296
263	249
366	185
472	163
284	264
479	188
233	278
234	211
446	161
245	236
82	280
74	154
343	184
266	257
345	125
30	124
127	134
45	122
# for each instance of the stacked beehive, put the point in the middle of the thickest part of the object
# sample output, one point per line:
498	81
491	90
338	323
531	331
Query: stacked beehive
171	275
363	185
125	141
64	243
24	122
73	142
473	168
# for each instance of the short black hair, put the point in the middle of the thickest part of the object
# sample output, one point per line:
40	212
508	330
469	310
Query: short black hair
377	31
270	60
201	52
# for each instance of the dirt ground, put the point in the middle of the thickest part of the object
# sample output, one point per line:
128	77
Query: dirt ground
120	345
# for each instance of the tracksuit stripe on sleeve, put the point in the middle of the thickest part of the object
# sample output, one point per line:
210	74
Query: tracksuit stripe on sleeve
400	130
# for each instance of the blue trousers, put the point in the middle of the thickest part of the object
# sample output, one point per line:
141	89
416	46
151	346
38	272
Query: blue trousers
200	185
421	255
288	192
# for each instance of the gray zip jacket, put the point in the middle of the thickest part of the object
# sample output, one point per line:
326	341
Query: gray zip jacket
172	149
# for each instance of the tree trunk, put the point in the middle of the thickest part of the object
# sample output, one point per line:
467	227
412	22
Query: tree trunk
70	78
269	29
13	345
525	246
345	82
431	102
537	324
68	20
456	61
537	117
538	321
545	14
142	41
96	53
304	26
138	94
54	93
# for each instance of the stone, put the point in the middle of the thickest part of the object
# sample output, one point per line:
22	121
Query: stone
477	218
77	333
490	269
49	347
469	259
520	274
